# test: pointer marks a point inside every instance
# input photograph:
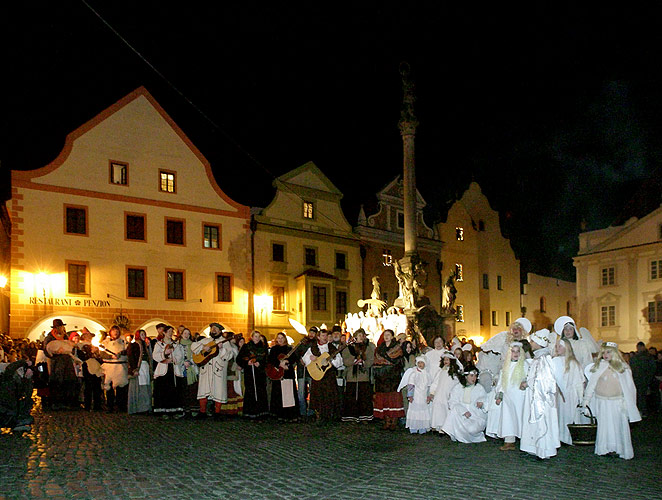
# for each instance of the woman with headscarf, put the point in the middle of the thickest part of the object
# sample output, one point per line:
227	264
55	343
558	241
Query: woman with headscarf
252	358
612	395
388	373
358	359
284	398
139	354
583	344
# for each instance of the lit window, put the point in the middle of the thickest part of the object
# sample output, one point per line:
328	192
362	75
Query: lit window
608	276
459	314
655	312
77	278
459	276
656	270
308	210
119	173
223	288
210	238
608	316
167	181
75	220
135	282
319	298
278	293
459	233
387	257
175	282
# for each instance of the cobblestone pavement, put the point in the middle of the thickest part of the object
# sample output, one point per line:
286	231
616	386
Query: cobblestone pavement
77	454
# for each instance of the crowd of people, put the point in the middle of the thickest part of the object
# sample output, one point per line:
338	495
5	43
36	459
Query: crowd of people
531	386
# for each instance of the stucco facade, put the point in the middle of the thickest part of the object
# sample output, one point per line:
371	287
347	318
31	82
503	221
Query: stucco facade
489	292
129	222
307	259
619	281
545	299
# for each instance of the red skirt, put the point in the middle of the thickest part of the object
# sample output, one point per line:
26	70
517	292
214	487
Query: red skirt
388	404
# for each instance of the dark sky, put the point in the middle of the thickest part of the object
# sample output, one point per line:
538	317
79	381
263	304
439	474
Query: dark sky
558	115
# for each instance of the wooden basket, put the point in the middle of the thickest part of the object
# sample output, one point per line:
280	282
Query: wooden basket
584	434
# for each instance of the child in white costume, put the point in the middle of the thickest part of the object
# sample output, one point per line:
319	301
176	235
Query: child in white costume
613	397
540	421
571	393
504	419
440	389
417	381
467	418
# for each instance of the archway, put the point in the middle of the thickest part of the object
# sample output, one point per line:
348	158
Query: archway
73	321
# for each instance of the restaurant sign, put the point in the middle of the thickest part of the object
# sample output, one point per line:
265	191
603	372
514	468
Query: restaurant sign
55	301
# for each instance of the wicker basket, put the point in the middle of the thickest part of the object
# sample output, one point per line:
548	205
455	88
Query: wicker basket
584	433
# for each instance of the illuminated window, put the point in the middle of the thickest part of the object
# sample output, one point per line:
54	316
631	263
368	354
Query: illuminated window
459	314
119	173
211	236
77	278
175	283
608	276
608	316
308	210
135	282
223	287
278	294
387	257
459	233
459	275
167	181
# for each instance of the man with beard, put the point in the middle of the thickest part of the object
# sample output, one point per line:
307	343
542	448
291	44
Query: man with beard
213	377
116	370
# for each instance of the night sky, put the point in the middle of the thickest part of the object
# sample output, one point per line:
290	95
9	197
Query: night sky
558	115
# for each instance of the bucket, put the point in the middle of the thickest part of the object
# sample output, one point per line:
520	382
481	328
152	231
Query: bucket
583	434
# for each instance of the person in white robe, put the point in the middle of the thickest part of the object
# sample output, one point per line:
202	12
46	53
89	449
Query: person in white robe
417	381
612	395
440	389
504	418
493	351
583	344
540	422
433	356
467	415
213	376
570	393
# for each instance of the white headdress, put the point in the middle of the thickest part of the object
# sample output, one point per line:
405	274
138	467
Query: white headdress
541	337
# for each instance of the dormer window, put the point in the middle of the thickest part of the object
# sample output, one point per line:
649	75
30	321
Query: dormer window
308	210
167	181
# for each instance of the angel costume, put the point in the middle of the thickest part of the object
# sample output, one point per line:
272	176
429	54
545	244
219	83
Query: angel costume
458	426
505	419
613	398
433	361
583	344
570	395
440	389
417	382
540	422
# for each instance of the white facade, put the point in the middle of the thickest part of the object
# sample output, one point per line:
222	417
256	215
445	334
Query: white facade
545	299
619	281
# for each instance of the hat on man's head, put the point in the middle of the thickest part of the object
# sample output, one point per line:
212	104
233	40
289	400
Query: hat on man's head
57	322
85	331
217	325
313	329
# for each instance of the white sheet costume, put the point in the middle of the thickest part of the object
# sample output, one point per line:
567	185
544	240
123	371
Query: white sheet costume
505	419
613	398
540	421
213	377
116	371
584	346
440	389
458	426
569	397
417	382
433	361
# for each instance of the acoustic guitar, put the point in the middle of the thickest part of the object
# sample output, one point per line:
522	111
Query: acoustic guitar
276	372
318	368
202	358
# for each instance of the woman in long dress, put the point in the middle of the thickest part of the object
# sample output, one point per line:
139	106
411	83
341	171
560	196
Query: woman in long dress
440	390
169	380
467	418
253	360
417	382
358	359
284	399
387	370
612	395
571	393
433	356
504	418
139	354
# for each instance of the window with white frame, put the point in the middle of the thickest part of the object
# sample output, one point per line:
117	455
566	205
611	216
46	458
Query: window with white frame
656	269
459	274
608	276
608	316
